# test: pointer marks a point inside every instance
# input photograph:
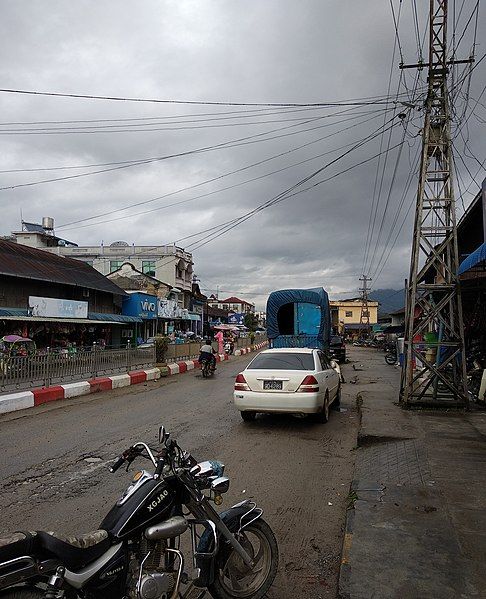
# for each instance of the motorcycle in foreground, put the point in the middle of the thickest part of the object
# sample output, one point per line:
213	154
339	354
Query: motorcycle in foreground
136	552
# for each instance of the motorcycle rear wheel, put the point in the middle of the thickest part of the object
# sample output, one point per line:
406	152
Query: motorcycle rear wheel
234	580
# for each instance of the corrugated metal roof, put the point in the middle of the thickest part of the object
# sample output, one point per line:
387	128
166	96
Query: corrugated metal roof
21	261
93	317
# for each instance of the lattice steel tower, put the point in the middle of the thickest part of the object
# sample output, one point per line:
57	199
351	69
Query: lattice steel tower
434	370
364	319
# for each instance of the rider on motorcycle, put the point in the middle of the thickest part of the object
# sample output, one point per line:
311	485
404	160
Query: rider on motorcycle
207	353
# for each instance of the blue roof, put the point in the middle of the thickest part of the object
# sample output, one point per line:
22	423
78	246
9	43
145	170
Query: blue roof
478	256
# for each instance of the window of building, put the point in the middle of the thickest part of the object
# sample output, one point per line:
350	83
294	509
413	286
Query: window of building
115	265
348	313
148	267
179	273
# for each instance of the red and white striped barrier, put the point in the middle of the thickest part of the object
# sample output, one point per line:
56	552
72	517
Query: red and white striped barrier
28	399
37	397
181	367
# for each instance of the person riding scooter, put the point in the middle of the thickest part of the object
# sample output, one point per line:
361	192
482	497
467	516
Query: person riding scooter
207	353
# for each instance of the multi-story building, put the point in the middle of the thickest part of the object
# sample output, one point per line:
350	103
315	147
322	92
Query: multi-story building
346	313
232	304
167	263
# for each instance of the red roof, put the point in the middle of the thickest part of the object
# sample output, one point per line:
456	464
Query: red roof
235	300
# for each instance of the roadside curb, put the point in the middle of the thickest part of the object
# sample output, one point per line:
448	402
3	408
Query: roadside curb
28	399
181	367
21	400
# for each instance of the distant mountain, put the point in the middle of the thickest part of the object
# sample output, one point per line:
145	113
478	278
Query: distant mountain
390	299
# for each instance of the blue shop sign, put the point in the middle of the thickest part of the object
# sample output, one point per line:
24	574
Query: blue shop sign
142	305
235	318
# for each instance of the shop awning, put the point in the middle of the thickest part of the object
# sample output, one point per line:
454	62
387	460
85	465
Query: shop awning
118	318
478	256
194	317
93	317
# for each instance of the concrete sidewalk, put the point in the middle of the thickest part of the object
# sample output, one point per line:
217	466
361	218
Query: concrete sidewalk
416	527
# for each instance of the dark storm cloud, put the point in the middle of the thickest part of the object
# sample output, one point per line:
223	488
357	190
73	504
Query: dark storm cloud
278	50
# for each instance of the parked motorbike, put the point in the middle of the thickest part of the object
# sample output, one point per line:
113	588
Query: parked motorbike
136	553
391	357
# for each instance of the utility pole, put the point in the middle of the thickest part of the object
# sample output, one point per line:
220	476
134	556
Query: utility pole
364	319
434	370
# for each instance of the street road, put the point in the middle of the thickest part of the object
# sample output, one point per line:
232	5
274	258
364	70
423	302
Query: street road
55	458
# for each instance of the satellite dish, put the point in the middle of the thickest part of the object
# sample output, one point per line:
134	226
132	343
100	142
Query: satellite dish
119	244
61	242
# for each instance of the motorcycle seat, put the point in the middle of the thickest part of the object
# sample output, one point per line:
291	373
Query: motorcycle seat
75	552
17	544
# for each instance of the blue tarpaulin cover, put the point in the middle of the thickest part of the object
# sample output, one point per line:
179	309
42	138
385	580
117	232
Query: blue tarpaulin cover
316	296
479	255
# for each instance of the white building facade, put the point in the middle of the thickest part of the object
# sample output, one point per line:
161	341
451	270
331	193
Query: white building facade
167	263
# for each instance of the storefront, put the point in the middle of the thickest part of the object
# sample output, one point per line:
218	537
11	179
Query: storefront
144	307
57	332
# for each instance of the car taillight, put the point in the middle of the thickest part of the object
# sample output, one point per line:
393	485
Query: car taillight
309	385
241	384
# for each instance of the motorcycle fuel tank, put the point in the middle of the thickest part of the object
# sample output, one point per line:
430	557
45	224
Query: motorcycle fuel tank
152	501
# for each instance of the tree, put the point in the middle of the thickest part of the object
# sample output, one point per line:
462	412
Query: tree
251	321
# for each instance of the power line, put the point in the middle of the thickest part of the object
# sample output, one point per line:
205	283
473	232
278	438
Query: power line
258	137
258	163
187	102
284	195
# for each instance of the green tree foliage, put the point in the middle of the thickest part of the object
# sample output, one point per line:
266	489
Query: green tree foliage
251	321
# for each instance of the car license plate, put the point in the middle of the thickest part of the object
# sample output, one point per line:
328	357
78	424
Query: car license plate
272	385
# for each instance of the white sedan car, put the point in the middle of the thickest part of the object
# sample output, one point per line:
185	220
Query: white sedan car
288	380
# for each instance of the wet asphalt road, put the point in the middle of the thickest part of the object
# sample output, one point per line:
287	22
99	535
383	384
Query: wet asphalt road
55	458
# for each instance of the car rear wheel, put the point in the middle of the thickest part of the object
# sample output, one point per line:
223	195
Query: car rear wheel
323	416
337	401
248	416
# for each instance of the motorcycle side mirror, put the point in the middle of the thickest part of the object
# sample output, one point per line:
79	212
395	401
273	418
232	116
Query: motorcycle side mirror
163	435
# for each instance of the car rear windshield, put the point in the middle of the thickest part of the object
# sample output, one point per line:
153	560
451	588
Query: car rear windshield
336	340
283	361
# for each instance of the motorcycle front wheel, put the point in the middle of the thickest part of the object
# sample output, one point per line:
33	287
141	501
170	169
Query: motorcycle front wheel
233	579
390	359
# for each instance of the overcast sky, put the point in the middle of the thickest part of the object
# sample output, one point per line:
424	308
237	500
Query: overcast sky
248	51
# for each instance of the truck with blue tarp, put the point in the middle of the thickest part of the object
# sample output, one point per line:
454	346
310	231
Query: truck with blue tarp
299	318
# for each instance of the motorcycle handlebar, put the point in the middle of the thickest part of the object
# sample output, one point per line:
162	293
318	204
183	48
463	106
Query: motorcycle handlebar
119	462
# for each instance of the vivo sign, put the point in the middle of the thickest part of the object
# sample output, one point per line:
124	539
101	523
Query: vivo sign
141	305
148	306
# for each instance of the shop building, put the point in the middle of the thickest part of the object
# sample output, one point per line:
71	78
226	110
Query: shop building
143	307
57	301
167	263
232	304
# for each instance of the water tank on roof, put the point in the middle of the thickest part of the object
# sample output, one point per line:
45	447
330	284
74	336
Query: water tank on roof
48	224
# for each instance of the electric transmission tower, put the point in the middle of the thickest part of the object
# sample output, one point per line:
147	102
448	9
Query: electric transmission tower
364	319
434	363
